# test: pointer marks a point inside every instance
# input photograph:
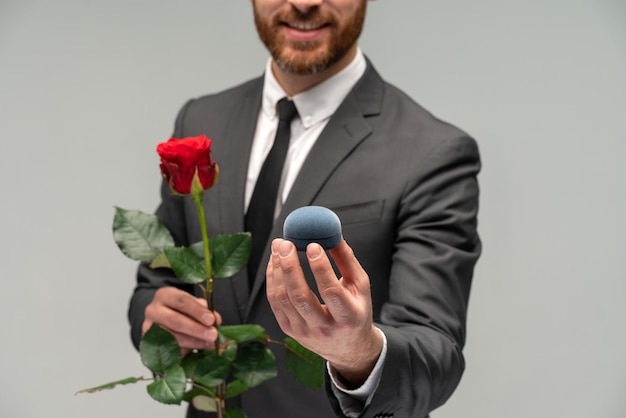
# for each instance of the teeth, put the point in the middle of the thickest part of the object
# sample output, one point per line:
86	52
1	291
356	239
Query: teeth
306	26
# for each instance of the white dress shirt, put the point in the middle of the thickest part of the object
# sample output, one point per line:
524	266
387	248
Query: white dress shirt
315	107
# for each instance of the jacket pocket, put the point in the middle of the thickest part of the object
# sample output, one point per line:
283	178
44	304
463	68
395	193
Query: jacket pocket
360	212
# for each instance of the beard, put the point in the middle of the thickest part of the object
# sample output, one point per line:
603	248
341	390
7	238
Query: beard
309	57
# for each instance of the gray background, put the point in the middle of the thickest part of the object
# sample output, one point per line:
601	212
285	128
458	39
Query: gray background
88	88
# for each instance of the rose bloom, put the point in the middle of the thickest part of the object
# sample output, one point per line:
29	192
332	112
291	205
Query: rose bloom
186	164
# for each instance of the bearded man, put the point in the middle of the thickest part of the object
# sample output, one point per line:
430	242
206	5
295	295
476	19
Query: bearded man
387	308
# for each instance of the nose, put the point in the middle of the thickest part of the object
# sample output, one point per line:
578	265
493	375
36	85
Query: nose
305	5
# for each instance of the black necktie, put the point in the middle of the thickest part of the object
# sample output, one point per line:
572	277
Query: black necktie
260	215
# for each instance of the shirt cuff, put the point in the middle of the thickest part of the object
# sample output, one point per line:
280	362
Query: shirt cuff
353	401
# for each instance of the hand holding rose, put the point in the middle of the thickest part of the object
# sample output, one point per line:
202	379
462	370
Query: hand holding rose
184	316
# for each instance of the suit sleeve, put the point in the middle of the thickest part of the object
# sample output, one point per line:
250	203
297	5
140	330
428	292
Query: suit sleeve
435	250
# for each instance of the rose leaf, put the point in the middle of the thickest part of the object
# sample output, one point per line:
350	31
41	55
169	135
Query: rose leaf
140	236
306	366
159	350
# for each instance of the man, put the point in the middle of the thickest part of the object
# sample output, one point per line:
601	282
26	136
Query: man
391	323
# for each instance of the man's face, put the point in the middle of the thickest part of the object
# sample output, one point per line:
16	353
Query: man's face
308	37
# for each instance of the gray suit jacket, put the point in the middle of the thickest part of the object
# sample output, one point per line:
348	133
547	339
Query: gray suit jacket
404	186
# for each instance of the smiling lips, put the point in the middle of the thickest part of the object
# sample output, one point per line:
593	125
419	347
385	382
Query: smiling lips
304	31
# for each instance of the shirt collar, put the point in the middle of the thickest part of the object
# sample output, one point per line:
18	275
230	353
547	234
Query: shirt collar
319	102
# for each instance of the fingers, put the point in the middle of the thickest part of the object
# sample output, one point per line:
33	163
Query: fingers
293	301
277	297
339	326
329	287
290	296
186	304
350	267
183	315
348	298
294	304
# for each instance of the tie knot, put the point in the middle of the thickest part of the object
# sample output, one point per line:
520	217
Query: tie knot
286	110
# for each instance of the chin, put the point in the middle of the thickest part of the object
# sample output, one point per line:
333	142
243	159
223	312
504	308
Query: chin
305	62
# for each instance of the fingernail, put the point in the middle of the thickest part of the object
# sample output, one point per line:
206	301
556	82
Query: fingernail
284	248
207	319
210	335
313	251
274	246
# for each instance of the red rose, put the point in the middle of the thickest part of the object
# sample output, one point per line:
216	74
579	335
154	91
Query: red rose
186	164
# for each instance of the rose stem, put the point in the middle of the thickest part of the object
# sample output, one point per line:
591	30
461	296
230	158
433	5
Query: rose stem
208	293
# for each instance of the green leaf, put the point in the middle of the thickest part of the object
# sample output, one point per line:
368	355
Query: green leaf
306	366
159	350
171	388
243	333
111	385
235	388
211	370
235	413
190	361
141	236
229	349
204	403
254	364
160	261
186	265
229	253
198	391
198	249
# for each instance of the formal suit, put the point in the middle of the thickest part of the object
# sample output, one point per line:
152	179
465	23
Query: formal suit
403	184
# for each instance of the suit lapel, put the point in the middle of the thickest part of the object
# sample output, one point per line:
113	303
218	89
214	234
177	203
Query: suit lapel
346	129
234	167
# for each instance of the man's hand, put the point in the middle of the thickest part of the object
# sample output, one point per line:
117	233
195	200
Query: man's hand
341	330
185	316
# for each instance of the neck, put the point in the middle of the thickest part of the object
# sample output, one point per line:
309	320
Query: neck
297	83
